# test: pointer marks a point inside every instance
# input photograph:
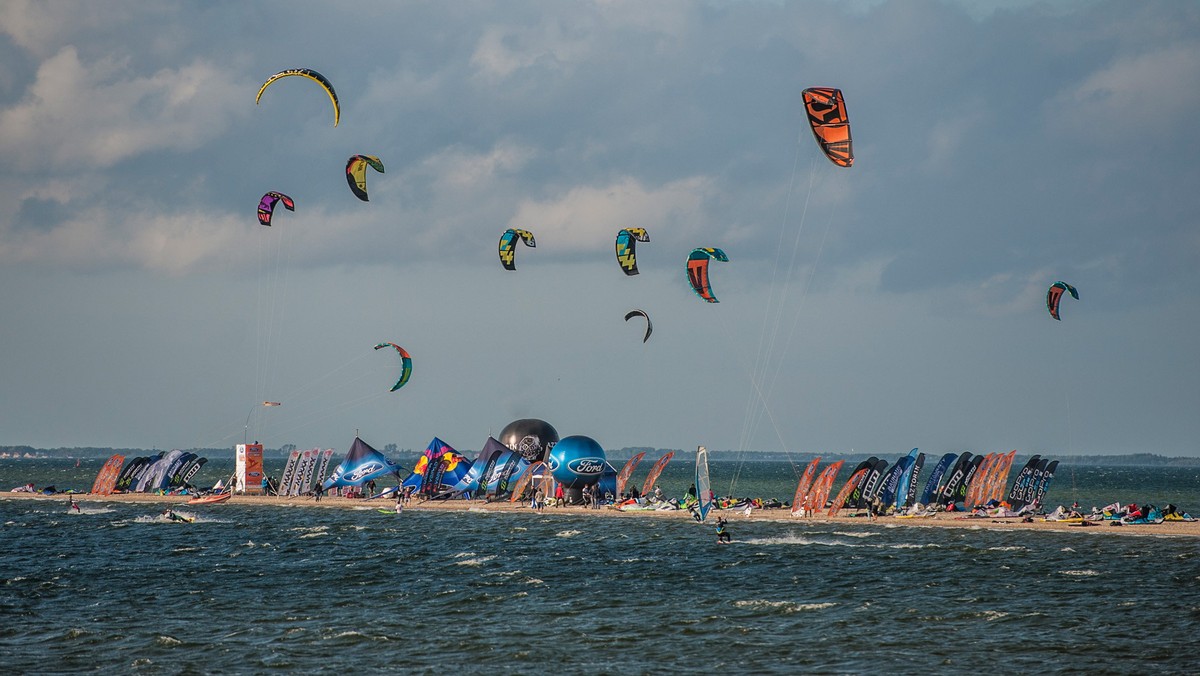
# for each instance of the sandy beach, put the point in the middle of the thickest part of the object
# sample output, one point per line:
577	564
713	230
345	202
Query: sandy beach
782	516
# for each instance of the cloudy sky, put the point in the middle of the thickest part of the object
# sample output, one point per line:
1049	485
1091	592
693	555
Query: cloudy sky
1000	146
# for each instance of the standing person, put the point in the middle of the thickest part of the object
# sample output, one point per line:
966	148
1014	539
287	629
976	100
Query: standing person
722	531
399	502
558	496
539	500
318	491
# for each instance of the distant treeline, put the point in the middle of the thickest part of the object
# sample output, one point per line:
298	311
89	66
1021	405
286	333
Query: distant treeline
614	455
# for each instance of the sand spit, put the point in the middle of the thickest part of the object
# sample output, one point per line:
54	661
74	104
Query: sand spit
945	520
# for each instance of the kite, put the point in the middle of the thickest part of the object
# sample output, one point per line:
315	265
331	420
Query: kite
627	240
266	206
1054	295
830	125
508	246
311	75
356	173
697	271
405	361
641	313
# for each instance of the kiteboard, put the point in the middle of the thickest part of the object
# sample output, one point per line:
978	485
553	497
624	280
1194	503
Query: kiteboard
387	511
210	499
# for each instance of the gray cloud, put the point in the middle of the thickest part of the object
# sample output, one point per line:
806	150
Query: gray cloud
1000	146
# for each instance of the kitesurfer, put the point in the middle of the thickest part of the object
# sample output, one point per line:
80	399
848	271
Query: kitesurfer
72	504
722	532
171	515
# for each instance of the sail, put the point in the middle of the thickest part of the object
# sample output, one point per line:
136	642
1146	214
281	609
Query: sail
533	472
627	471
803	487
1016	495
361	464
106	479
703	489
1044	484
900	497
999	478
441	467
946	496
851	484
975	484
482	475
820	492
857	499
935	479
891	481
655	471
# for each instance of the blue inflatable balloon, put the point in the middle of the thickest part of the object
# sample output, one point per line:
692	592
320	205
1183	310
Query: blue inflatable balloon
576	462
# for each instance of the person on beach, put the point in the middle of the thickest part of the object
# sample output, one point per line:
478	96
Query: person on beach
318	492
722	531
536	503
558	496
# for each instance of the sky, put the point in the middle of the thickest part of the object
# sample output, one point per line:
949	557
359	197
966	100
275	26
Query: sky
999	147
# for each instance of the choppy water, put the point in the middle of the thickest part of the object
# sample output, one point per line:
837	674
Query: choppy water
247	589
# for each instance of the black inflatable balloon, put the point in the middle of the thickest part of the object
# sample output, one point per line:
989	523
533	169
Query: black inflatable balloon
531	438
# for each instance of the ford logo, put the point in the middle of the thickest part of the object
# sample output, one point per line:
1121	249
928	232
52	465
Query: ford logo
364	470
586	466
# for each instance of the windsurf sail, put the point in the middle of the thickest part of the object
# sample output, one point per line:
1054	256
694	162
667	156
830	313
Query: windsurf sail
856	499
900	495
1044	484
1016	496
106	479
935	478
804	486
819	494
975	484
909	497
851	484
657	469
704	493
534	471
891	482
999	479
1039	473
950	488
627	471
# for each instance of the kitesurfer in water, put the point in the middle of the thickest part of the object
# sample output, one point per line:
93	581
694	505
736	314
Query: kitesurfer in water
722	532
171	515
74	506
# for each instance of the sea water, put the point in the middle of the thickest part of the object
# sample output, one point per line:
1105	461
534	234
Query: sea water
252	589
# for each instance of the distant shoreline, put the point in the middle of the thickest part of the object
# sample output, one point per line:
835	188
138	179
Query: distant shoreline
781	516
615	455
